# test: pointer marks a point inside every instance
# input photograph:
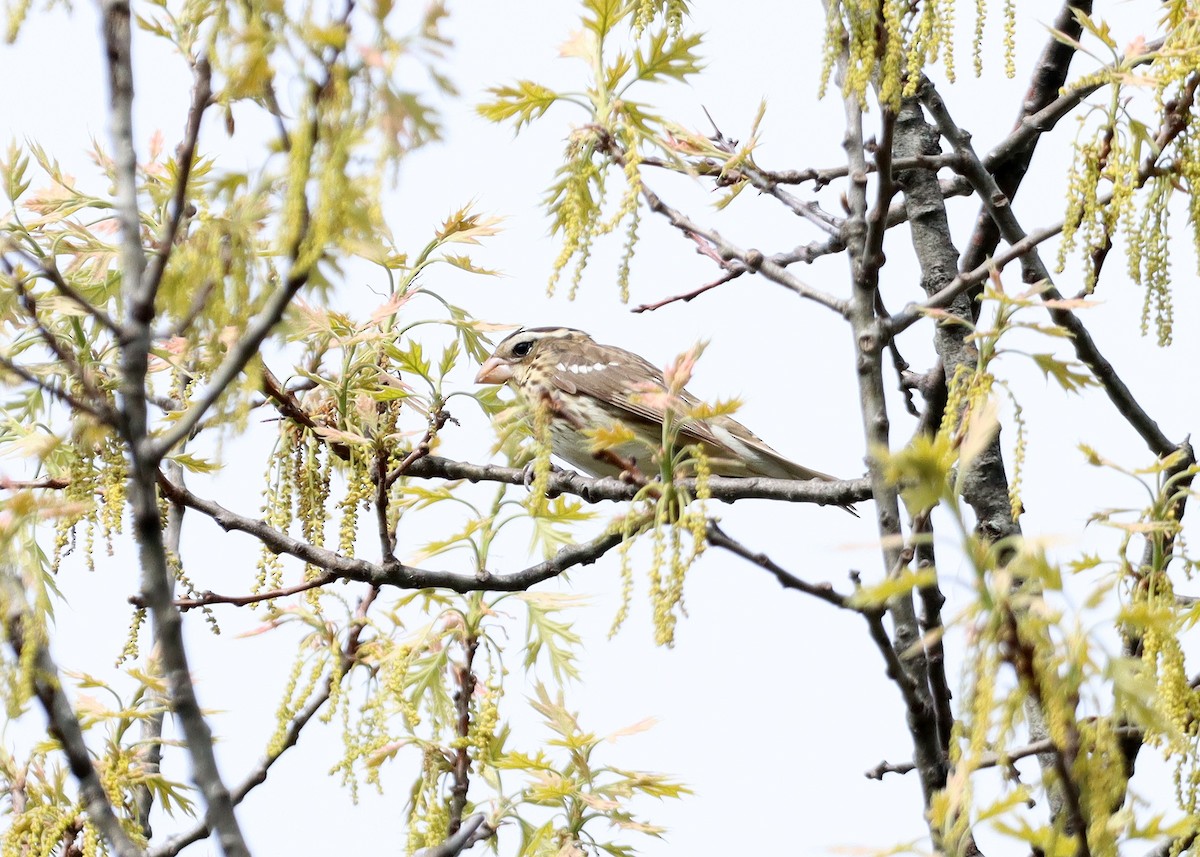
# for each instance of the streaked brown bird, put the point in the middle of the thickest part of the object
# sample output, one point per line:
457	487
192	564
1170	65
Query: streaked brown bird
589	385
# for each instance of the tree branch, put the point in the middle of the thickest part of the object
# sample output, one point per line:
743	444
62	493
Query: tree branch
150	747
133	424
239	356
395	573
461	770
823	591
988	760
471	831
754	260
58	393
64	726
48	271
998	206
1049	77
185	156
863	238
724	488
948	294
205	599
291	735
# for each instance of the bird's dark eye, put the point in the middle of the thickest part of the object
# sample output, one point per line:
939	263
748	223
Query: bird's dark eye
522	347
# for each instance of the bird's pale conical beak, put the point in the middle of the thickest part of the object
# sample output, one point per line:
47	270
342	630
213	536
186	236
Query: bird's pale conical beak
494	370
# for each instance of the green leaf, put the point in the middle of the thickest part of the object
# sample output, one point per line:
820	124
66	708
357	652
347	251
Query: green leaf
665	57
546	633
922	470
600	16
525	101
879	594
466	264
193	464
1063	371
617	70
412	358
548	527
12	169
449	357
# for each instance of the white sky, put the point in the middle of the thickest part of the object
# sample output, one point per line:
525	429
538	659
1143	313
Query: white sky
771	705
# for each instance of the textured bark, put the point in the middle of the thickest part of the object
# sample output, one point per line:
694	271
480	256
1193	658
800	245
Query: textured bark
985	486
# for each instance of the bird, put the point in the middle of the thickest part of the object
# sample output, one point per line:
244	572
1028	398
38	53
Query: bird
588	385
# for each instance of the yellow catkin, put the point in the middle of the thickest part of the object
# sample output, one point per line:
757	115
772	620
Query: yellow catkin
1010	39
486	719
284	713
1020	447
130	650
626	572
977	42
892	72
663	618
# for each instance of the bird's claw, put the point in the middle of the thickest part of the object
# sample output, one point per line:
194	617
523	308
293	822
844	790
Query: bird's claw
529	473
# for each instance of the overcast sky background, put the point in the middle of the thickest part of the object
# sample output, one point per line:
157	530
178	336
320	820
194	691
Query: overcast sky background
771	706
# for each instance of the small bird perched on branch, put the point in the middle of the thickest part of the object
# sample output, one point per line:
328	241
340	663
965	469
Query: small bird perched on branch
588	386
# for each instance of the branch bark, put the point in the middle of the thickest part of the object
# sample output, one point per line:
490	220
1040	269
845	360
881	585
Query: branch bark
394	573
19	628
863	237
1035	271
133	424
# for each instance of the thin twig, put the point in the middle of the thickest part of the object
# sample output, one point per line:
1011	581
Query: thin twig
57	392
824	591
65	356
471	831
48	270
207	598
987	760
238	357
53	482
806	253
822	177
1009	162
396	574
945	296
1063	751
694	293
185	157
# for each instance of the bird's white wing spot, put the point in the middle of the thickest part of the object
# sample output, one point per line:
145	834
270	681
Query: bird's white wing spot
583	369
731	440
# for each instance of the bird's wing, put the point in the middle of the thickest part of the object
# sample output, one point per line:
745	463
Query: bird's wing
620	379
627	383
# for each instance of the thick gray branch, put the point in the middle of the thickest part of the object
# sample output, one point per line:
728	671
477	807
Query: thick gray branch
724	488
157	582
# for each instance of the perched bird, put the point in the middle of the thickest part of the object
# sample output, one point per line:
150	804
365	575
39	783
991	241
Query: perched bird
589	385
